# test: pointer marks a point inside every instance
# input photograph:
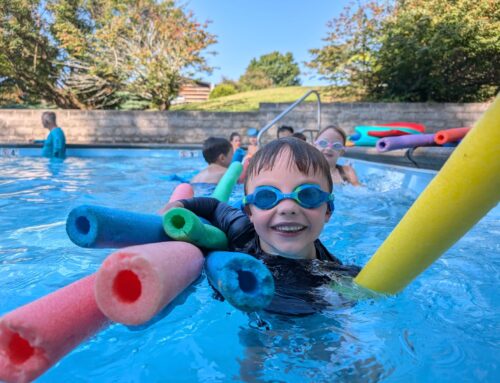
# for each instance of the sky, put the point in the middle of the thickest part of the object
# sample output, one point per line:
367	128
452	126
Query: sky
248	29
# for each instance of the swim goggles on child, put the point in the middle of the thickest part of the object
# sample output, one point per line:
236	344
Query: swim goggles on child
309	196
335	145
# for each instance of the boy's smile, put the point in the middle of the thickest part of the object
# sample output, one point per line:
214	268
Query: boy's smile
288	229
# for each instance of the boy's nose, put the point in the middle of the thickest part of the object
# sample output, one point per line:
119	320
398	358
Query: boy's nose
287	206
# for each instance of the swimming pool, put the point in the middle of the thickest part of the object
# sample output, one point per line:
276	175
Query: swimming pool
443	327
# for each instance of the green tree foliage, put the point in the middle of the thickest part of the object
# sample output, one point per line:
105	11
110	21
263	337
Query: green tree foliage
446	51
414	50
222	90
101	53
273	69
347	60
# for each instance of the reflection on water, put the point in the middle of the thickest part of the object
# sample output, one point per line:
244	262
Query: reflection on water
443	327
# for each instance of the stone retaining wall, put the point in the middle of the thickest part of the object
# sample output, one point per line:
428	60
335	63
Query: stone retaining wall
115	127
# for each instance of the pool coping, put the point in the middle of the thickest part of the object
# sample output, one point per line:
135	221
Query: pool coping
431	158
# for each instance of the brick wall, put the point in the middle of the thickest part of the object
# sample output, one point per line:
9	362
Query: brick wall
115	127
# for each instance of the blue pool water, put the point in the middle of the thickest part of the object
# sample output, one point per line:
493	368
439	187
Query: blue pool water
442	328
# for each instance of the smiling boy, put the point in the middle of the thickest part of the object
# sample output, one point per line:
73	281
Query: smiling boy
287	202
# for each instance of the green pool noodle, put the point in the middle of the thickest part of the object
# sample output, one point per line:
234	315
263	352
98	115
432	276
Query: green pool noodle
183	225
366	140
225	186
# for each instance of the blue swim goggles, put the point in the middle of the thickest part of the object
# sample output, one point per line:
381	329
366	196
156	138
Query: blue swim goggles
309	196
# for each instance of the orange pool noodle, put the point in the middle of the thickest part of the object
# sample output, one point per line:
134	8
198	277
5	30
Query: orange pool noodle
135	283
35	336
450	135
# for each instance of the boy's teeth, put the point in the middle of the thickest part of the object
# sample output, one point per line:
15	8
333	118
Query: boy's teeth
289	228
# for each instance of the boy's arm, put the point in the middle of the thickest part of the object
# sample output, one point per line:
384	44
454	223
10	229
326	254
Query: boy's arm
233	222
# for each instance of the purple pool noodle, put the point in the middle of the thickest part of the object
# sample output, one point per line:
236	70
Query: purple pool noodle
408	141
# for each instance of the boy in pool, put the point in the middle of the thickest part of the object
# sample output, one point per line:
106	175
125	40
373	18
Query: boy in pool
218	153
287	202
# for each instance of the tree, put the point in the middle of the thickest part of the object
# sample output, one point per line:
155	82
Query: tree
347	60
273	69
446	51
101	53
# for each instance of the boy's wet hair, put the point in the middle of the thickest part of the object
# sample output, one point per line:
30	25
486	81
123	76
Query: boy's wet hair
213	147
337	129
302	155
285	128
48	119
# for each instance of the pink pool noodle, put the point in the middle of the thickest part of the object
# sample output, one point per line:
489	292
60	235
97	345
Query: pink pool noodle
450	135
182	191
135	283
35	336
408	141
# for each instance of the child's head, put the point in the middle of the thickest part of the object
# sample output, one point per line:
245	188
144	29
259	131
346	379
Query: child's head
300	136
331	142
288	227
235	140
285	131
217	150
49	120
252	134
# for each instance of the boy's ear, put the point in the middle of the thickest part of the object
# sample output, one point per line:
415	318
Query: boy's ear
328	214
247	210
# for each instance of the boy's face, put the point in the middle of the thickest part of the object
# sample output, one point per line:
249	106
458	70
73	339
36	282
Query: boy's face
252	140
225	160
288	229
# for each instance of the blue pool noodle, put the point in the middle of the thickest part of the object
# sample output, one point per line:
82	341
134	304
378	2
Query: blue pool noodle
103	227
238	155
244	281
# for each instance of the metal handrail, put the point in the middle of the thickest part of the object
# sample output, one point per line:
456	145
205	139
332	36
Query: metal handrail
287	110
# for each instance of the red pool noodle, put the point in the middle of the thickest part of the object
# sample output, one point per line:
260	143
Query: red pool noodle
387	133
411	125
135	283
450	135
182	191
35	336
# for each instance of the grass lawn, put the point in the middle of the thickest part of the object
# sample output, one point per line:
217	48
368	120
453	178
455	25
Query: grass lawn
249	101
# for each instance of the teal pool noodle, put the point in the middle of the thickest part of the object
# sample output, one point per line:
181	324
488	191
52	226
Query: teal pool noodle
183	225
229	179
244	281
366	140
103	227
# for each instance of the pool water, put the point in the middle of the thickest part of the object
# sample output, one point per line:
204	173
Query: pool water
443	328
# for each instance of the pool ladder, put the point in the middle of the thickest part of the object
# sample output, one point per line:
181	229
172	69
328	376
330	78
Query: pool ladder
288	110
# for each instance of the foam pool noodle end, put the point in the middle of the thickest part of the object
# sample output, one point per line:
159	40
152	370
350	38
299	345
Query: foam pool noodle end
183	225
35	336
135	283
245	282
102	227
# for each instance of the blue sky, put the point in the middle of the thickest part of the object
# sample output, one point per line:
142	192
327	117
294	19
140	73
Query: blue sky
248	29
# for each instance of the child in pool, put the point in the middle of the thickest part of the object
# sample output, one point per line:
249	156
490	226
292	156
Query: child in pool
287	202
331	142
55	144
218	153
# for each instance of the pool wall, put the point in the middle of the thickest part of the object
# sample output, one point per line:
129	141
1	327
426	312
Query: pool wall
192	127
